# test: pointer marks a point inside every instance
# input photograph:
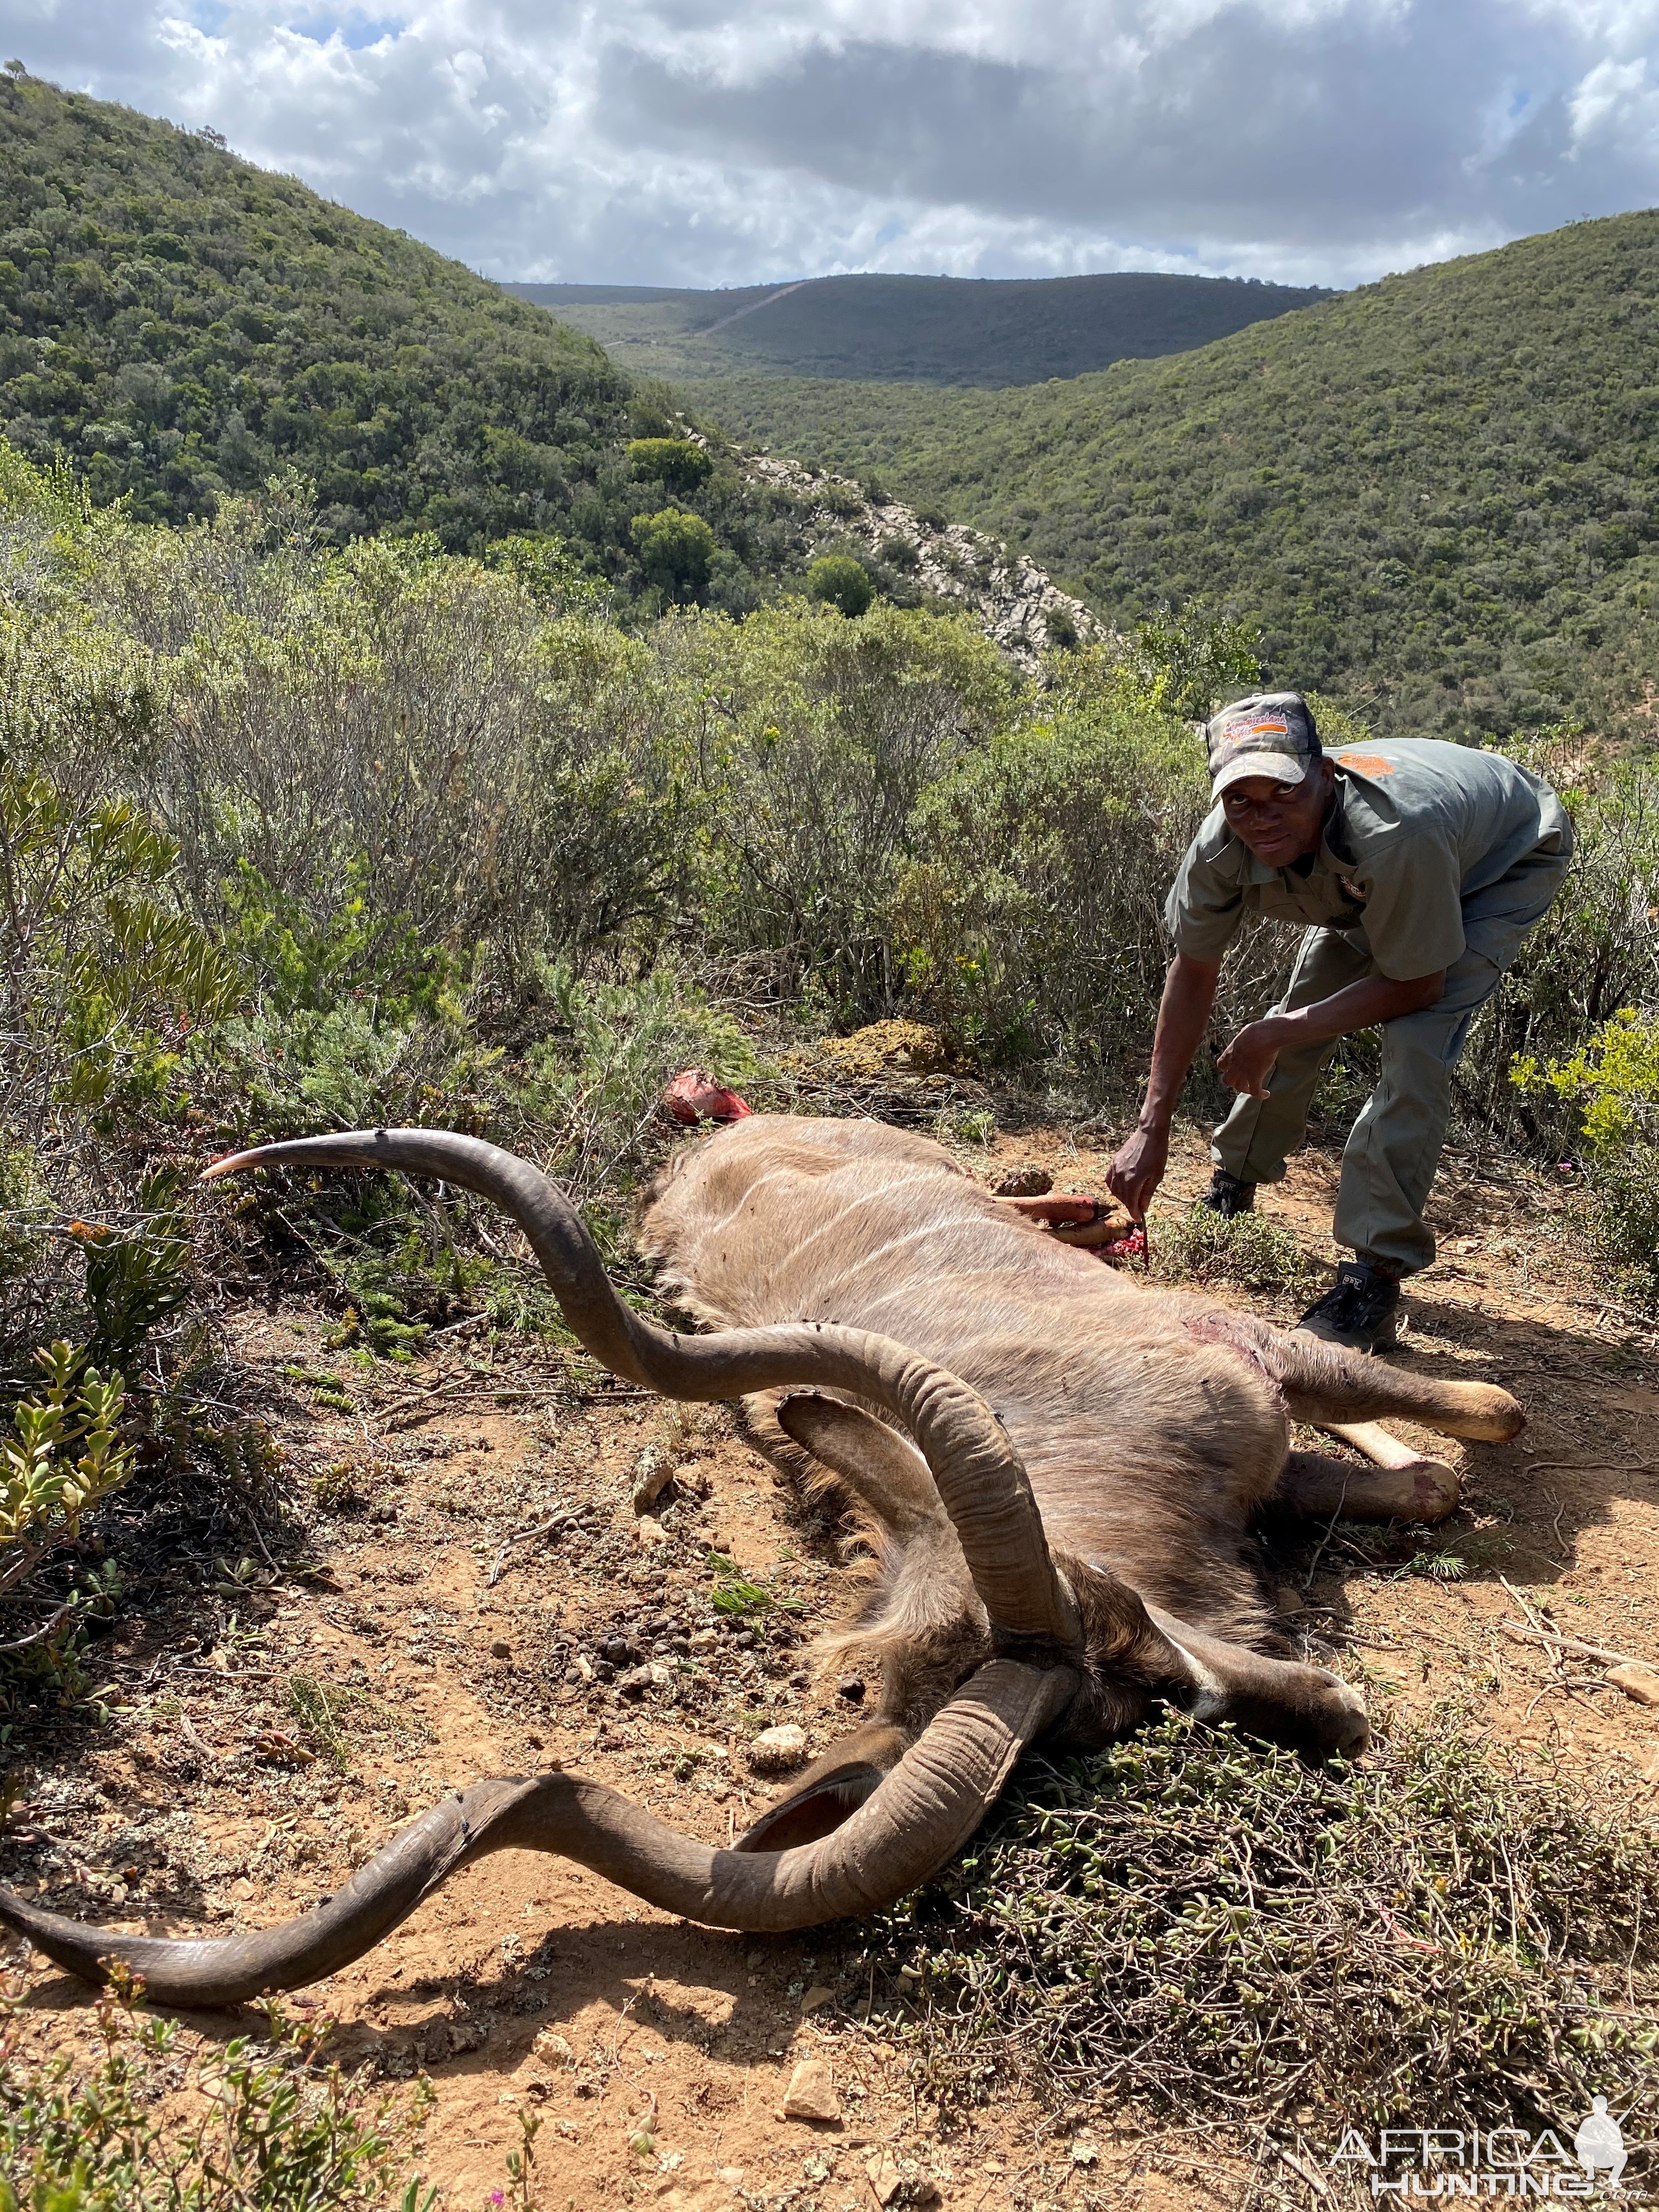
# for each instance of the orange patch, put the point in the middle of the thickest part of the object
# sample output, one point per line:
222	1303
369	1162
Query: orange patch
1366	763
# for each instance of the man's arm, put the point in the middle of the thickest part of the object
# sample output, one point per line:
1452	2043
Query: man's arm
1248	1060
1189	995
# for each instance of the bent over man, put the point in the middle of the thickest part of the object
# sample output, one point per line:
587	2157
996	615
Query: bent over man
1420	868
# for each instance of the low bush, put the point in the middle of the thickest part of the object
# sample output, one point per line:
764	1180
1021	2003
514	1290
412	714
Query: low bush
1028	909
66	1457
1614	1083
1252	1250
1188	1923
266	2124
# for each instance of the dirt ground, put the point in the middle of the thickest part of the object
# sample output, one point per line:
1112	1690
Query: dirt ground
476	1555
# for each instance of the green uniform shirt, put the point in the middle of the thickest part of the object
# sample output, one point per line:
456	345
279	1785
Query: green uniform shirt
1416	846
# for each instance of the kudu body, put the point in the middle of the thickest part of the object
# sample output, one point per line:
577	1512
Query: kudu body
1135	1433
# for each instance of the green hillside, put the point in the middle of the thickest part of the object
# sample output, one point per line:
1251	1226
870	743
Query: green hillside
1436	496
180	324
928	330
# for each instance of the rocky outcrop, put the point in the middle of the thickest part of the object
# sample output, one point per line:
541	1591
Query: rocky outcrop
1021	609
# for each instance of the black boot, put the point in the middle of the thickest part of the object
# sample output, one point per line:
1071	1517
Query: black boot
1227	1196
1360	1309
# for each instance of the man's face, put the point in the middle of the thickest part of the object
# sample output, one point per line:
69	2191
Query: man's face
1280	822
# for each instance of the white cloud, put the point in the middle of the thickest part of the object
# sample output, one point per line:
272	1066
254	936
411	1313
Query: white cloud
720	140
1613	98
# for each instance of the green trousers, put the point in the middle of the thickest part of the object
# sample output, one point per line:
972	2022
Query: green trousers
1389	1162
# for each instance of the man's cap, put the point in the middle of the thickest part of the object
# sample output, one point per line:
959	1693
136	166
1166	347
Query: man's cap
1270	733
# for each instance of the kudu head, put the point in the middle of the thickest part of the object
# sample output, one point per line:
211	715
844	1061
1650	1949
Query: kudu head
1044	1639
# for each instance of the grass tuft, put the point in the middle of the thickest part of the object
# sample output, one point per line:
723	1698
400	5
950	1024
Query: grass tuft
738	1598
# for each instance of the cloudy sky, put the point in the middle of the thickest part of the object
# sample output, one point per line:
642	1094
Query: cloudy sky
717	142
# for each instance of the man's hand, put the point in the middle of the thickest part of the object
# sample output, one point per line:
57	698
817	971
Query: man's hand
1138	1169
1248	1060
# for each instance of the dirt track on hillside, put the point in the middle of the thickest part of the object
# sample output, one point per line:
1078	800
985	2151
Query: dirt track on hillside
655	2053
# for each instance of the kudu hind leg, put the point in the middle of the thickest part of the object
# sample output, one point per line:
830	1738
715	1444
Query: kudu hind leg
1409	1487
1332	1387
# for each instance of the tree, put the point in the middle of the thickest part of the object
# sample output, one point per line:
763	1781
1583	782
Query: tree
841	581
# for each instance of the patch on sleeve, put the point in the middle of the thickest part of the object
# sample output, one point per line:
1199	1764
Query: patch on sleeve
1366	763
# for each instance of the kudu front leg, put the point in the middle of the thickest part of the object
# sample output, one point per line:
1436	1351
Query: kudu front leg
1307	1709
1332	1387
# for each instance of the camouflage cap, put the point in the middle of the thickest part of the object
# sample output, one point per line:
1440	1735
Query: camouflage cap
1270	733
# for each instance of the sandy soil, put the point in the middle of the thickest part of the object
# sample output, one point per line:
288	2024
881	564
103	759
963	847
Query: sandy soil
475	1546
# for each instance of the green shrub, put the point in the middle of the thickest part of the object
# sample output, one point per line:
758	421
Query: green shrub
1592	955
1252	1250
101	971
550	571
1188	666
1613	1082
278	2128
64	1459
841	581
592	1091
1221	1930
138	1279
1028	909
679	464
818	737
674	550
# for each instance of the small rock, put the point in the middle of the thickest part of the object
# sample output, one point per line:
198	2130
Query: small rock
651	1533
1640	1683
885	2179
552	2047
652	1471
778	1750
654	1675
819	1994
501	1648
851	1687
1025	1182
895	2184
435	2047
811	2092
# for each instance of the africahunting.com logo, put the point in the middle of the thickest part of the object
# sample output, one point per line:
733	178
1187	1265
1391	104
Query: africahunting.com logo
1422	2164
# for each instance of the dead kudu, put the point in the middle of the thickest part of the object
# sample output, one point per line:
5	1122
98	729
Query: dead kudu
1058	1467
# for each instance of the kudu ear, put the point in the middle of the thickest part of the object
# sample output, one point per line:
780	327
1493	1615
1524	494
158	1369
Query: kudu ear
832	1788
876	1464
